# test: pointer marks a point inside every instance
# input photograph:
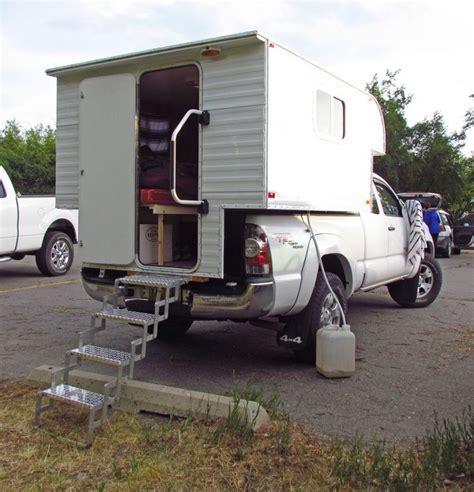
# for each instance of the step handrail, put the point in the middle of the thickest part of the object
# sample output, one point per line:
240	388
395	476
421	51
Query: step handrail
204	120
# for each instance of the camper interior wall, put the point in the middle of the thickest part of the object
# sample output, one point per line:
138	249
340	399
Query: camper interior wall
321	137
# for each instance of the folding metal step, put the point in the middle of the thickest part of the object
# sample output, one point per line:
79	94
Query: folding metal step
102	354
144	280
132	317
75	396
89	400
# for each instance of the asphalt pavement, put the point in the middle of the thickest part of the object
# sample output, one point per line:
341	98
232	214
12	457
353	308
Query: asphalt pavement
411	363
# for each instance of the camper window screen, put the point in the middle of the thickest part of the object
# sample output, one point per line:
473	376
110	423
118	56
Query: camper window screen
323	112
330	115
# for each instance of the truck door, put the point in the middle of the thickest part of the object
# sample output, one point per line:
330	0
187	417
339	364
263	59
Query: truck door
376	248
107	142
8	217
396	231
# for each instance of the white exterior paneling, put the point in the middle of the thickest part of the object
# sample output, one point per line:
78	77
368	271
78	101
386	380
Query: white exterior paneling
306	168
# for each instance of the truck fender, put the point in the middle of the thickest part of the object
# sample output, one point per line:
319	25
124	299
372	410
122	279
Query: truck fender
61	220
334	260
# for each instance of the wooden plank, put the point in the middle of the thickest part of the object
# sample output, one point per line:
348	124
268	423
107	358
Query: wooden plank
173	210
161	242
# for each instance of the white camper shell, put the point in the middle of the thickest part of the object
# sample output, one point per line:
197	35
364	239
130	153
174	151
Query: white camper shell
154	188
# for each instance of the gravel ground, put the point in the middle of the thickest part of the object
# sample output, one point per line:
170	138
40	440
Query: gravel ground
410	364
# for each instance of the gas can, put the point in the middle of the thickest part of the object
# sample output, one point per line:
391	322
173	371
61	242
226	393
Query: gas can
335	351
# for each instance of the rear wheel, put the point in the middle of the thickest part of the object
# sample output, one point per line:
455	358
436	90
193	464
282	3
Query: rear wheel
174	327
56	254
449	248
322	310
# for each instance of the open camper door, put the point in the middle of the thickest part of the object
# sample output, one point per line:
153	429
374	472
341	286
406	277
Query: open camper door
107	169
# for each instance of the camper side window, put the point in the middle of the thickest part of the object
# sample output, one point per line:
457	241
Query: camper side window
330	115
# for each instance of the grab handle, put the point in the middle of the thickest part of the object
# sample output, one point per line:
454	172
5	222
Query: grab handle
204	119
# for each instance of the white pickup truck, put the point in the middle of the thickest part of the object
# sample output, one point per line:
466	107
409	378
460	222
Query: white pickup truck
281	284
32	225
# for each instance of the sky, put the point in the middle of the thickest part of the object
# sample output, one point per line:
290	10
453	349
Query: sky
430	42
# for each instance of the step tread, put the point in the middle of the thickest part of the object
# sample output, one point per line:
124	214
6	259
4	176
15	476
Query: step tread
75	396
147	280
126	315
102	354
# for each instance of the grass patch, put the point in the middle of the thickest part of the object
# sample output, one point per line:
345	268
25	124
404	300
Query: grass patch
143	452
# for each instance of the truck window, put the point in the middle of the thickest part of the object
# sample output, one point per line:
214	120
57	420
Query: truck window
375	206
390	204
2	191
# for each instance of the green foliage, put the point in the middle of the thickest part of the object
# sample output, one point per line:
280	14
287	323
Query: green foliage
29	157
423	157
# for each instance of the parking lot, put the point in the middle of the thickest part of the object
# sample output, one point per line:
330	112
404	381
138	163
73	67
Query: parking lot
410	363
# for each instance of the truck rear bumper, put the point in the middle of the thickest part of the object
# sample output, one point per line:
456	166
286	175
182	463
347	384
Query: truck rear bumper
255	301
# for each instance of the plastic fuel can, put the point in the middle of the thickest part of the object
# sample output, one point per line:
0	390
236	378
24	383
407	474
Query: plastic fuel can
335	351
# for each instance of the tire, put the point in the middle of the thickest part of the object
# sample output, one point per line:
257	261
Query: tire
173	327
56	254
321	310
429	285
447	252
456	250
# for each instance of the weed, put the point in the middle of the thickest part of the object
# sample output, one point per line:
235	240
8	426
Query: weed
445	452
448	449
282	434
237	424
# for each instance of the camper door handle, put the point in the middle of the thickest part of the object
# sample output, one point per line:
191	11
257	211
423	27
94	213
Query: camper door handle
204	119
391	228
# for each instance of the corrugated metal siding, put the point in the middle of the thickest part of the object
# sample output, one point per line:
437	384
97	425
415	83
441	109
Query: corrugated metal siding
233	146
67	148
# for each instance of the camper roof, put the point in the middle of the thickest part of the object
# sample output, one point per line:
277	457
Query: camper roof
238	39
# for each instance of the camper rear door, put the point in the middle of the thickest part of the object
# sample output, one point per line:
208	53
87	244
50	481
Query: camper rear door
107	169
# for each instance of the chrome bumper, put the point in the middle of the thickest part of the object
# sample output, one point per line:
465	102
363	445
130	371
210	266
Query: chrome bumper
255	302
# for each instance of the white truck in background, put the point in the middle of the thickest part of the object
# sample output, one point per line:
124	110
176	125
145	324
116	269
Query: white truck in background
32	225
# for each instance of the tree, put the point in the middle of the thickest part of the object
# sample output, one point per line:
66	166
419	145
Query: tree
424	157
29	157
440	165
396	165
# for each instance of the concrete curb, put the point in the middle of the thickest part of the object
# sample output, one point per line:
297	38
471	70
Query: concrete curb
137	396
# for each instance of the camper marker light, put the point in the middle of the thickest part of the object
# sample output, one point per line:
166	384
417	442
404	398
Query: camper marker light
271	194
210	51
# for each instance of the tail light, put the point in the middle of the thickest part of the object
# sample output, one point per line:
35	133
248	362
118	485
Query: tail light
258	260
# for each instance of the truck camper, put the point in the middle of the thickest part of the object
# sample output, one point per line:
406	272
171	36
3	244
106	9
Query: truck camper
229	178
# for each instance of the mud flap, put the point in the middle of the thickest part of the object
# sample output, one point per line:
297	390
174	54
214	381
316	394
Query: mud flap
405	290
292	336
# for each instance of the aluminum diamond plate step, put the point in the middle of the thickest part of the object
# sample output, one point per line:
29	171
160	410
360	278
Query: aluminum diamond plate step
102	354
133	317
153	280
75	396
